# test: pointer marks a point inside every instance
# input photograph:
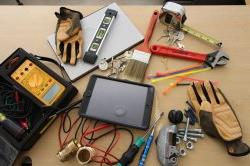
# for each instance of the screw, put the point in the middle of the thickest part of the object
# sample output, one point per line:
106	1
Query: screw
189	138
195	135
186	130
191	130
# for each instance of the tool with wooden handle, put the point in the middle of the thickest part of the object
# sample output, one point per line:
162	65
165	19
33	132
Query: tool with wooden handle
217	58
138	63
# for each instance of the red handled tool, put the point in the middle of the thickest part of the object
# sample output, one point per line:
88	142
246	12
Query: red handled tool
217	58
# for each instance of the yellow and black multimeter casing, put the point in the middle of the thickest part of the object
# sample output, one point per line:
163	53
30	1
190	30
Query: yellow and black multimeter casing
46	91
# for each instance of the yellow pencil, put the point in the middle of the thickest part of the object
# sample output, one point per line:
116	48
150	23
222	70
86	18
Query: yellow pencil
180	74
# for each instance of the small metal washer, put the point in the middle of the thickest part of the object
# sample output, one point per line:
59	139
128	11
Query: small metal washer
189	145
103	65
182	152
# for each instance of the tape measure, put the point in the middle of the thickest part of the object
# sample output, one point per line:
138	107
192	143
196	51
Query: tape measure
174	15
39	83
201	35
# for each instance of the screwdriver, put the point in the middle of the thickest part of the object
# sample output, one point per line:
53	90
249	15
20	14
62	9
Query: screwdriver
130	154
146	149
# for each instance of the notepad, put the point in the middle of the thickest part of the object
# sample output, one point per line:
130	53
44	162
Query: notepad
123	36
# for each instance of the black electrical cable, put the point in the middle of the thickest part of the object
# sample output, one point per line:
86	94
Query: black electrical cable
82	123
66	116
83	131
66	130
92	139
92	134
9	105
65	109
116	129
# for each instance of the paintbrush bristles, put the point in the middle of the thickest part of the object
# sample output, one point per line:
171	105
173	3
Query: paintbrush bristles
135	70
137	66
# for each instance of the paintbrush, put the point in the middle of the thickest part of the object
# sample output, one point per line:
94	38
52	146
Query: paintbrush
137	65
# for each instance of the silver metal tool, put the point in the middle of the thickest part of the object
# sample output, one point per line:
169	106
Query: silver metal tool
167	151
217	58
186	130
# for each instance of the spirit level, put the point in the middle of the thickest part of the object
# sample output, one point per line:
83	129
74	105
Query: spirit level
100	35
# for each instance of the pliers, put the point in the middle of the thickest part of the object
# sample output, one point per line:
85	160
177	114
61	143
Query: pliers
217	58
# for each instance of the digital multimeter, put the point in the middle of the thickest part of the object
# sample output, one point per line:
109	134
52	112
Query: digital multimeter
95	46
44	87
35	80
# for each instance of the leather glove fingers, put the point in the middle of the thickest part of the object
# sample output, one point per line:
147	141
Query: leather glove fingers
71	49
69	40
217	117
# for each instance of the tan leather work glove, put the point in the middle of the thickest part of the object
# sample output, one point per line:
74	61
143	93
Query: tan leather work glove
216	116
69	40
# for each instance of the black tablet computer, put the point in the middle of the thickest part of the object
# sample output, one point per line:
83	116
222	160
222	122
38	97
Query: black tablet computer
117	101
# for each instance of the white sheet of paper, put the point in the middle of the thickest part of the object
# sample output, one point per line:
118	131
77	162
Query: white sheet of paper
122	35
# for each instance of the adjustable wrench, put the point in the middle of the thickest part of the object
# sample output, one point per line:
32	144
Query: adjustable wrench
217	58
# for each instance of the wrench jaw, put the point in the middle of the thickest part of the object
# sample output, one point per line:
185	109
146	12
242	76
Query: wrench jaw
217	58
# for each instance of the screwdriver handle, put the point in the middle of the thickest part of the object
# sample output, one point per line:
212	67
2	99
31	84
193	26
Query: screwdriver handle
129	155
146	149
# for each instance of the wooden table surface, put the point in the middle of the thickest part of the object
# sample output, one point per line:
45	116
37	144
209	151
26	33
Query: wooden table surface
29	26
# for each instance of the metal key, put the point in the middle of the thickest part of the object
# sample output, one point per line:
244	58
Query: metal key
180	35
172	39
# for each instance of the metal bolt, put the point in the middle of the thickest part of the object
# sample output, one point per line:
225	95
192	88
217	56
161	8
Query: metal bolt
195	135
191	130
189	138
186	130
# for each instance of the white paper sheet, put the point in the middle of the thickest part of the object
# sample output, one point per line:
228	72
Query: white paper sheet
123	35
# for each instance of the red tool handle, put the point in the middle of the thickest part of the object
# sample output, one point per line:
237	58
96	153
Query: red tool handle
177	53
151	25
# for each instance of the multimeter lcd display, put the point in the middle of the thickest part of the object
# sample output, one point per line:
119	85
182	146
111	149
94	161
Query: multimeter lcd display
52	92
118	102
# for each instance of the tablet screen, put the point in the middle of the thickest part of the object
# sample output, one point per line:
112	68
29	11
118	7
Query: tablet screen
119	102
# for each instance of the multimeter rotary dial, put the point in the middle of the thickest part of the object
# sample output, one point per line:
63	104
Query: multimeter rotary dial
35	80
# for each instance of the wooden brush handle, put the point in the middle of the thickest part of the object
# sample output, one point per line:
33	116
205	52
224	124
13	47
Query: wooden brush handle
151	26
